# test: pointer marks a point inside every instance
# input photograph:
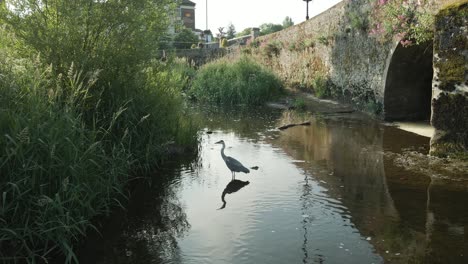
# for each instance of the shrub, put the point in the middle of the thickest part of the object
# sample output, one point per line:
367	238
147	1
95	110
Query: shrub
240	82
308	43
272	49
246	51
56	172
78	120
323	40
58	169
253	44
223	43
408	21
185	39
299	104
319	84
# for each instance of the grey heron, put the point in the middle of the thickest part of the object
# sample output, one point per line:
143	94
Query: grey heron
233	164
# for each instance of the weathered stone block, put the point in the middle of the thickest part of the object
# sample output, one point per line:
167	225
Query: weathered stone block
450	81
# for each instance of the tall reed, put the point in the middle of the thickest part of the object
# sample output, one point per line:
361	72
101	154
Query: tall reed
66	151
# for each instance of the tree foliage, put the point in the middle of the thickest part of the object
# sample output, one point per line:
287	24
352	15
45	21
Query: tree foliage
268	28
244	32
287	22
185	39
231	31
92	34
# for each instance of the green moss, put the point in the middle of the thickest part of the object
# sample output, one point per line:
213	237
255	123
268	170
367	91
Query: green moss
457	12
452	69
451	44
454	5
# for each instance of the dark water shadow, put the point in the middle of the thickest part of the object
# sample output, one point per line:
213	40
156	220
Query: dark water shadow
232	187
145	232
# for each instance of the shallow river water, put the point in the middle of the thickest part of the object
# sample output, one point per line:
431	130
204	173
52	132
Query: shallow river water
344	189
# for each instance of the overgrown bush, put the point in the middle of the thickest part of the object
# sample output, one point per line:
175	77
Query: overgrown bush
357	15
58	170
410	21
299	104
56	174
319	84
185	39
243	81
323	40
76	121
223	43
271	49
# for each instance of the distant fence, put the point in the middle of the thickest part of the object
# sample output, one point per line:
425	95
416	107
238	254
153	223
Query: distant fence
197	57
210	51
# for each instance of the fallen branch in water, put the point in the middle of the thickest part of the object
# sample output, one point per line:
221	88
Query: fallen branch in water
291	125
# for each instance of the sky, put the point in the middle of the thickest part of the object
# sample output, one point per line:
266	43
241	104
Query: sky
252	13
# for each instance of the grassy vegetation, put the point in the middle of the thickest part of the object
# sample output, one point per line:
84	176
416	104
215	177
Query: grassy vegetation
82	107
242	81
319	84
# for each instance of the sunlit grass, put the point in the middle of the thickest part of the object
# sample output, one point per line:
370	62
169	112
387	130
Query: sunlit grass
242	81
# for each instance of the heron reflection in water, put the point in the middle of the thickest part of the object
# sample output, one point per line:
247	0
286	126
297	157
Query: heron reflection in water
232	187
233	164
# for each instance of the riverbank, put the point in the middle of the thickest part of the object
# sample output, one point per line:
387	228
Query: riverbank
435	166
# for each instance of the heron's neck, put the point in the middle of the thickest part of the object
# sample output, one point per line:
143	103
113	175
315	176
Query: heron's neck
222	151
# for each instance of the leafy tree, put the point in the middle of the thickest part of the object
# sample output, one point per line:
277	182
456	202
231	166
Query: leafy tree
287	22
184	39
221	33
231	31
268	28
91	34
244	32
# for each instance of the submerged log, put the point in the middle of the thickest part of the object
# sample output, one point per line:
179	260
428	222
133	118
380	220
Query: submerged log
291	125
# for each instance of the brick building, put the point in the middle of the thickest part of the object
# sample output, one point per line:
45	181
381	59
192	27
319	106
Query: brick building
187	14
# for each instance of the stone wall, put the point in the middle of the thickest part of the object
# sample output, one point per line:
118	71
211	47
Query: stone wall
332	48
450	82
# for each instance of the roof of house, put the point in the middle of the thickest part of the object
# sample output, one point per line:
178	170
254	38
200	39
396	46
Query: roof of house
188	3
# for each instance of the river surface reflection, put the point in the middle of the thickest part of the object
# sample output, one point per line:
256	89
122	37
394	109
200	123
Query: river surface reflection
331	192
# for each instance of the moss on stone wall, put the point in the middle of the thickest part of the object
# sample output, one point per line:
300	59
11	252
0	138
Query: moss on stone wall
451	44
450	108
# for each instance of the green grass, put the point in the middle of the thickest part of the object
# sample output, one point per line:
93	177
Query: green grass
299	104
319	85
242	81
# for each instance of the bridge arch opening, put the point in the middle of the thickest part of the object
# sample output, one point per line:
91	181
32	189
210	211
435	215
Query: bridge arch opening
408	86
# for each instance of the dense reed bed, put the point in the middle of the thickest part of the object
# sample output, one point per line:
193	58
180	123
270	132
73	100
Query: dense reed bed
84	104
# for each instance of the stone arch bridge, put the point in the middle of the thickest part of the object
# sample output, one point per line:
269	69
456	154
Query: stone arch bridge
426	82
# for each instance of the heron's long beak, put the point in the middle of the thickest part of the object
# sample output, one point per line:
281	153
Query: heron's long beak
219	142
